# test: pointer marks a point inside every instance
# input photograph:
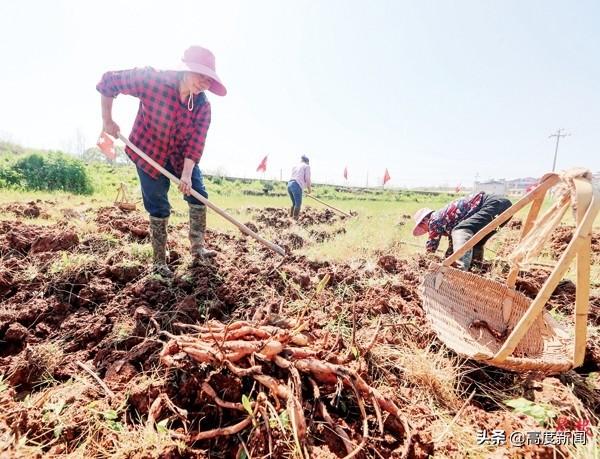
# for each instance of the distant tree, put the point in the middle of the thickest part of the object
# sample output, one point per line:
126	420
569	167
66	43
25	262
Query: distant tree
268	187
10	147
52	171
94	155
79	143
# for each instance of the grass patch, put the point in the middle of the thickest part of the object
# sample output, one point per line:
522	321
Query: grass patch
71	263
431	371
141	252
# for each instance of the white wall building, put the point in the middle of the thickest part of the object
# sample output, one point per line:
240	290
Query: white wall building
521	185
498	187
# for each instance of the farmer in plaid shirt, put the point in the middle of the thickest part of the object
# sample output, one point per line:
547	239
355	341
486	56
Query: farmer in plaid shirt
170	127
459	221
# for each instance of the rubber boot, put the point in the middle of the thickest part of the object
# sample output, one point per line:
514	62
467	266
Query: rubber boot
197	230
158	236
478	255
460	238
450	249
296	213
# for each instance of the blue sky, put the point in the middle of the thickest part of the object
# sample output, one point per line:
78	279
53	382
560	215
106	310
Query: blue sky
436	91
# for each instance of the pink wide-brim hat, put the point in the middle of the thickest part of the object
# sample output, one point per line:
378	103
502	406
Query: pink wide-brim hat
200	60
420	215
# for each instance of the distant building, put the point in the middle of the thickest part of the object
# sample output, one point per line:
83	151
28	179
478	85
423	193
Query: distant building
491	187
521	185
596	179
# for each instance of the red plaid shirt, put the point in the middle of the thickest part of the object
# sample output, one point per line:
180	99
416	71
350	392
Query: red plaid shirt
164	128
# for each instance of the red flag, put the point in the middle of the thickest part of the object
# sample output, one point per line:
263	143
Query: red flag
262	167
457	189
106	146
386	177
531	187
346	172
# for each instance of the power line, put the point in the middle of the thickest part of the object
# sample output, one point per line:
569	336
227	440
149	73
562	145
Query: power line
558	135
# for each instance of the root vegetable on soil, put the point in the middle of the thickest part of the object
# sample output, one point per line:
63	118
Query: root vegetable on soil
283	362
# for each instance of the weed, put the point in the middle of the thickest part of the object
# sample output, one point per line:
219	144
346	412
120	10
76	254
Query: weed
542	413
141	252
430	370
72	263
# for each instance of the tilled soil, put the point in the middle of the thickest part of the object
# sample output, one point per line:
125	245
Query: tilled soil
563	235
280	218
74	305
32	209
314	226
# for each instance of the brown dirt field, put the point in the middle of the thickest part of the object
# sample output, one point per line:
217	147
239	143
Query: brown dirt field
320	225
68	299
280	218
563	234
32	209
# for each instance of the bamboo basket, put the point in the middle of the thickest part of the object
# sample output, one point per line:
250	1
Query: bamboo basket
529	339
122	199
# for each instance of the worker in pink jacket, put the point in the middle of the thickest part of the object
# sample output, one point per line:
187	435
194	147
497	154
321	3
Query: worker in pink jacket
299	182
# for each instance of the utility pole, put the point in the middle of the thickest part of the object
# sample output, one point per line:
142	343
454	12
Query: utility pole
558	135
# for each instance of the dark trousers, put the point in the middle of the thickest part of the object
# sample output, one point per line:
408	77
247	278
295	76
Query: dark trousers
156	191
490	207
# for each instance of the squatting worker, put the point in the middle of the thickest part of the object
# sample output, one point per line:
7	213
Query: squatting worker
460	221
171	125
299	182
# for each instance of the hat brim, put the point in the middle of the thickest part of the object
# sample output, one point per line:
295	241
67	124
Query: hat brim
419	230
216	86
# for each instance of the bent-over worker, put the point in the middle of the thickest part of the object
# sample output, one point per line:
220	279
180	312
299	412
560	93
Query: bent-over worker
460	221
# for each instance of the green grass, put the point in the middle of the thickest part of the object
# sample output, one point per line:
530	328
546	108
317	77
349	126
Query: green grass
378	227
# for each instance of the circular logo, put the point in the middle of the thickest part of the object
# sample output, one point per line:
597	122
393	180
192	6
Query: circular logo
517	438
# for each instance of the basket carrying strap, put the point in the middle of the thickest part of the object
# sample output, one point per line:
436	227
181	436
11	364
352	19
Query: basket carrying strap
587	204
582	292
533	243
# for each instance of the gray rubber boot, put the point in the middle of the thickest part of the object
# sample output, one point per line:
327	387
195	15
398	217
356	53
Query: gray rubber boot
158	236
197	230
478	254
460	238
